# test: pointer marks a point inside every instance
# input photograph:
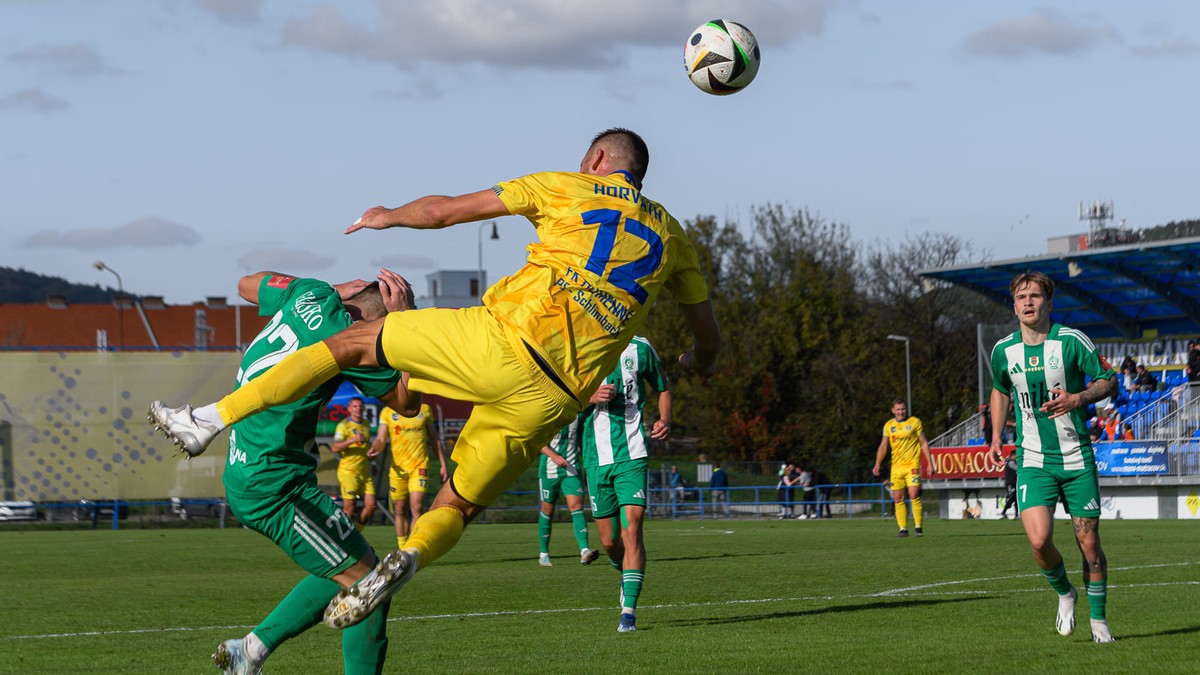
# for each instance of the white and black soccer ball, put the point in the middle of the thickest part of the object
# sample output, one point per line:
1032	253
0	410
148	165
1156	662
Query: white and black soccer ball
721	57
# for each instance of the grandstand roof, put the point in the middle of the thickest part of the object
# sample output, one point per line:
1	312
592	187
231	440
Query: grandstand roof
1133	291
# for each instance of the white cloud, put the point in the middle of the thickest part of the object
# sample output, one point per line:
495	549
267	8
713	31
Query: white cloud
1045	31
541	33
285	260
33	100
76	59
147	232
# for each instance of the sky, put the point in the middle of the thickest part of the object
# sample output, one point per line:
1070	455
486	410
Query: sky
185	143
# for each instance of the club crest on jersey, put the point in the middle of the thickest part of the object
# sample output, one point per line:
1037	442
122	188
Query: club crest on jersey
1034	361
1052	362
630	364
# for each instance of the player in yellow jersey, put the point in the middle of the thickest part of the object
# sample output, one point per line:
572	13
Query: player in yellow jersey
352	445
907	438
541	344
411	439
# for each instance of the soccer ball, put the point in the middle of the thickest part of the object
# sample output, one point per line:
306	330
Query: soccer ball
721	57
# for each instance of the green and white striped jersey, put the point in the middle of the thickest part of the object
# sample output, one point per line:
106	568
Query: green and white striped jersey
612	432
565	443
1027	373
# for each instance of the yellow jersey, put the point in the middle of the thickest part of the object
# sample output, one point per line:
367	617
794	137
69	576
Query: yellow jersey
354	457
604	252
906	444
410	436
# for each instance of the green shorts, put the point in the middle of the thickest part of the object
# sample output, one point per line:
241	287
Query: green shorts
307	524
617	485
1079	490
551	488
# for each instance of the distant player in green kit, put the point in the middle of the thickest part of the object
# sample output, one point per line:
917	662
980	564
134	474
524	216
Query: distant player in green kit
1041	369
559	474
270	477
615	456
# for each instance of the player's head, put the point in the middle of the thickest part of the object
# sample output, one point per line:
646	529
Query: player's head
1033	295
355	408
367	304
899	409
617	149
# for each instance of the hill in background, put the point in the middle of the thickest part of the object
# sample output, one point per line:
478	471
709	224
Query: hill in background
20	286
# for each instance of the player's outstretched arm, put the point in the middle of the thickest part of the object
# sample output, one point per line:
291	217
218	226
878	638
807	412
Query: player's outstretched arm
433	212
706	337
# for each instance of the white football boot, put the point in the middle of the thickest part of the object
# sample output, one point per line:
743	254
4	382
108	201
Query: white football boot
187	433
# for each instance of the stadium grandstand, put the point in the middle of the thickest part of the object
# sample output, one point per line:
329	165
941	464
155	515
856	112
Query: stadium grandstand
1139	300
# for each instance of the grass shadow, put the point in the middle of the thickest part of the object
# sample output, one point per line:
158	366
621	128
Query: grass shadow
836	609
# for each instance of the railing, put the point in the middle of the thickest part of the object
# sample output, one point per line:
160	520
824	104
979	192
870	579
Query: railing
960	434
1181	418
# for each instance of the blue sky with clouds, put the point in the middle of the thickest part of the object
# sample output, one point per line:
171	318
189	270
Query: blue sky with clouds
188	142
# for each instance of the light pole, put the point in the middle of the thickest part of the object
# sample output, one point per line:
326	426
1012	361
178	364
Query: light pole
120	301
907	369
495	235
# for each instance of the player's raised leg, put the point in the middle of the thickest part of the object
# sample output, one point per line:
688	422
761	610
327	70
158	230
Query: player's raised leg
293	377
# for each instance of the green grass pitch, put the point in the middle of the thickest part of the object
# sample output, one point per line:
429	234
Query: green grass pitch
720	596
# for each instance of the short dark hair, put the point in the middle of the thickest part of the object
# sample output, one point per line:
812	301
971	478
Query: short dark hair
628	146
1045	282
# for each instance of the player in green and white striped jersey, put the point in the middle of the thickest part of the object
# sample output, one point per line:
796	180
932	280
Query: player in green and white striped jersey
615	458
559	474
1042	370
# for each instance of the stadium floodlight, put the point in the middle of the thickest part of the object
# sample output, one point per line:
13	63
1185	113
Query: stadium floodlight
495	235
99	264
907	368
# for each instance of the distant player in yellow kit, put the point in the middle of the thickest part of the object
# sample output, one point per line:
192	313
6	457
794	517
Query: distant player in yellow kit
411	440
352	445
536	350
907	438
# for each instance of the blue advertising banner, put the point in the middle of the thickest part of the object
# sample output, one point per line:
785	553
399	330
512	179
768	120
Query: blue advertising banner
1131	458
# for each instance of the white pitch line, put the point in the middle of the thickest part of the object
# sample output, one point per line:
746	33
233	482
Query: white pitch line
922	590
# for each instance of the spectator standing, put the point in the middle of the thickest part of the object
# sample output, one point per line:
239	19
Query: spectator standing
675	482
808	507
821	483
788	477
720	490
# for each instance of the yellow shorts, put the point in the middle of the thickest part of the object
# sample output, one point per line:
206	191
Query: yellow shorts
905	476
405	481
355	484
467	355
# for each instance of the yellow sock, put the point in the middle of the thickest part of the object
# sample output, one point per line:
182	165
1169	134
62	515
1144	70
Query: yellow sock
287	381
902	515
435	533
401	540
917	512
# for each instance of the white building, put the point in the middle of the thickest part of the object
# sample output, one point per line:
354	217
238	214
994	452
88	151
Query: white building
454	288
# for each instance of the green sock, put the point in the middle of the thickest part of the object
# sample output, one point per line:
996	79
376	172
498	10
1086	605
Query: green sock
302	609
616	565
631	583
544	523
580	523
1097	594
1057	578
364	645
